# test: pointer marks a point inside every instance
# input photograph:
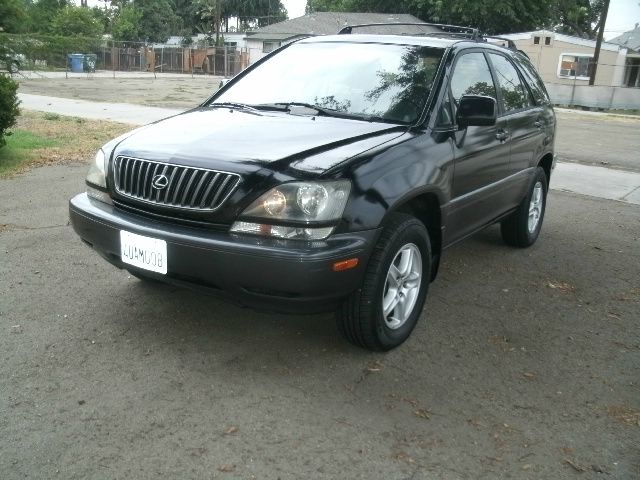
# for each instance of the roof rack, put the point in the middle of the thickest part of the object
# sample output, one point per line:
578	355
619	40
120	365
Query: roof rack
445	28
454	31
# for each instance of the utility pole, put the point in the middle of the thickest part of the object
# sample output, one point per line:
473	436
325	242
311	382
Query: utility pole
596	55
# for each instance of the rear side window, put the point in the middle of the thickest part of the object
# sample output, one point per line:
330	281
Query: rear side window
536	85
472	76
515	96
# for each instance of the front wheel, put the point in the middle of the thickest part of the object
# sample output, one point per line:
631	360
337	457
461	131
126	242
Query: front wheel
521	229
383	312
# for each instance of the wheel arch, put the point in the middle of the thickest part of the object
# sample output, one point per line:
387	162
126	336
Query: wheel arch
546	162
426	207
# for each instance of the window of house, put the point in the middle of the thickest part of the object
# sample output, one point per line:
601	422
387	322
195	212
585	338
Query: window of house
574	66
547	40
536	40
269	46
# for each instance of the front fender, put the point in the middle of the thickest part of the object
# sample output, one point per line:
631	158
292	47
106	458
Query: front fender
389	179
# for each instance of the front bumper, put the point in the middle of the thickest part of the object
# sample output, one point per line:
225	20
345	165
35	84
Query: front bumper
270	274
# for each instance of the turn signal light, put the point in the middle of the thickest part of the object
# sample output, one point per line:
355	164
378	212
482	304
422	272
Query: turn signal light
345	265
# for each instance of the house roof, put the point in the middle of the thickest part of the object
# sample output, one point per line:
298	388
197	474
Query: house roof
329	23
561	38
630	39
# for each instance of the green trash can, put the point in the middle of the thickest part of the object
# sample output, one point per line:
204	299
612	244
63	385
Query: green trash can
89	63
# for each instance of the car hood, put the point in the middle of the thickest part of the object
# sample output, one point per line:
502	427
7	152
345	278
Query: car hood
243	141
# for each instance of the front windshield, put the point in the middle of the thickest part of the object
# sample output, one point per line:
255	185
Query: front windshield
376	81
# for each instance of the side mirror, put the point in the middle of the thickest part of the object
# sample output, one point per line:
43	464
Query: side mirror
476	111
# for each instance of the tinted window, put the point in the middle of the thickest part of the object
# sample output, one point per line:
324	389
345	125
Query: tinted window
472	77
514	95
536	84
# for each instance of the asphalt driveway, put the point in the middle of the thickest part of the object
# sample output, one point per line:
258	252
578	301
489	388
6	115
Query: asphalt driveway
525	364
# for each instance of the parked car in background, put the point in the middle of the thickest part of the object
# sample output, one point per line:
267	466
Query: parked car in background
332	174
14	62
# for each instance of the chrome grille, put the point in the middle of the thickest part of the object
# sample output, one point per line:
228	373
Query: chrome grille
186	187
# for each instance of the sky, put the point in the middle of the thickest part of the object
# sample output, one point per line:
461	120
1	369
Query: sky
623	14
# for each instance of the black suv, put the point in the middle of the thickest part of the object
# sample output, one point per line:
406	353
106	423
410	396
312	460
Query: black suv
331	174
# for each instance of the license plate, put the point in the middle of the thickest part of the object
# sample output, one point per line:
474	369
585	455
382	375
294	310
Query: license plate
143	252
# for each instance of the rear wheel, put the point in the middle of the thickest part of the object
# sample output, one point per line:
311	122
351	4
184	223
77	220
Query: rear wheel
521	229
383	312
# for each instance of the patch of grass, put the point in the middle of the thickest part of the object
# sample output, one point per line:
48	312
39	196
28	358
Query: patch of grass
51	116
37	141
19	147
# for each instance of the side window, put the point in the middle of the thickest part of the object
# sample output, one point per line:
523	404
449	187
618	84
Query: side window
472	76
514	94
445	116
533	79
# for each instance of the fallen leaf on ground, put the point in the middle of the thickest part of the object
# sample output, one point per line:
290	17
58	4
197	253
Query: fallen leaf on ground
526	466
561	286
422	413
227	467
624	414
411	401
231	430
374	367
529	375
575	466
599	469
404	457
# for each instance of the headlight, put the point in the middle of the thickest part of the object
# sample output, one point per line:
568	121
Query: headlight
309	206
97	175
97	178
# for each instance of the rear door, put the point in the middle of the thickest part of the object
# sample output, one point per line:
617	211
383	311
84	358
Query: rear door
524	122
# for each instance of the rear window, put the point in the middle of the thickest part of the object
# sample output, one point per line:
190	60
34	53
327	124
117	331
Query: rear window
536	85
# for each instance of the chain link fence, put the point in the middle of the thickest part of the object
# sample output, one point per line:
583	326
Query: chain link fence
76	55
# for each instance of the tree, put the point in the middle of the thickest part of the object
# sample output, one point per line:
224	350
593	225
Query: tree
126	24
8	106
42	12
578	17
13	16
76	21
575	17
145	21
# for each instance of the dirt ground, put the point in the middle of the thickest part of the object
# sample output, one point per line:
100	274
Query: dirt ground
582	138
524	365
162	92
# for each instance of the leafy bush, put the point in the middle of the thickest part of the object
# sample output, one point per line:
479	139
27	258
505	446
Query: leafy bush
8	106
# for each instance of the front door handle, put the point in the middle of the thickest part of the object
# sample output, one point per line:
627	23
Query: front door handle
538	124
502	135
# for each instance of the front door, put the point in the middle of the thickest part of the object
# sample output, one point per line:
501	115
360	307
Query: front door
481	153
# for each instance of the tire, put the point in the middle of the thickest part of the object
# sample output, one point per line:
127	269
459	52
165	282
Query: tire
361	319
521	229
13	67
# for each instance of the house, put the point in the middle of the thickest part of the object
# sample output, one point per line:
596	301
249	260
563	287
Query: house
564	61
631	41
266	39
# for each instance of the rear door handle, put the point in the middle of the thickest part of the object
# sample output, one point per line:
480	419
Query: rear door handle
502	135
538	124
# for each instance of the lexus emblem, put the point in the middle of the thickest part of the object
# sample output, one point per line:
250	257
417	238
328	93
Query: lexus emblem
159	182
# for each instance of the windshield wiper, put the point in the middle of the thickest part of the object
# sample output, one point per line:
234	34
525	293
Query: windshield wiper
328	112
236	105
